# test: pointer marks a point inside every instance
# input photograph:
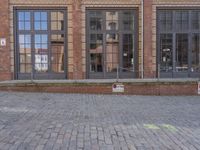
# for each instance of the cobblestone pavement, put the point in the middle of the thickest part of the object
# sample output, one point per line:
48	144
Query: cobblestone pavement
41	121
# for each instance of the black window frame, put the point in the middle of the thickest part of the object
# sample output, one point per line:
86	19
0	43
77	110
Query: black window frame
174	32
33	75
119	31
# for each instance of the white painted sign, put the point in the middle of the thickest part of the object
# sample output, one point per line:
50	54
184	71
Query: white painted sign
198	87
2	42
118	88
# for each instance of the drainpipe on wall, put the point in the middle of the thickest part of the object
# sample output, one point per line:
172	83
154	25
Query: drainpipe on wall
142	39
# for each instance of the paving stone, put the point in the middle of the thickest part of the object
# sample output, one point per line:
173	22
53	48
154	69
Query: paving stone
98	122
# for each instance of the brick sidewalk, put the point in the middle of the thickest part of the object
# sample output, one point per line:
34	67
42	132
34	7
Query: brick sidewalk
98	122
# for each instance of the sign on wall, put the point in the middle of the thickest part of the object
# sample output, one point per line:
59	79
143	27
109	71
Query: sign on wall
118	88
198	87
2	41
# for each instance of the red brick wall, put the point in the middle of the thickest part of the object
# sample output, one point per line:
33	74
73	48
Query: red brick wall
156	88
148	69
5	73
77	49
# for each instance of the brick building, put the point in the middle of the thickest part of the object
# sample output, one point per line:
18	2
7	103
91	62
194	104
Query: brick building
89	39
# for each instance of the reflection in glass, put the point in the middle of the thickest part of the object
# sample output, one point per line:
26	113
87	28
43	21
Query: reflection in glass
181	52
25	53
166	45
195	53
128	20
57	20
182	20
96	52
57	38
40	48
166	18
95	20
128	51
41	53
40	20
196	20
112	20
57	57
112	52
25	58
24	21
96	62
25	68
57	53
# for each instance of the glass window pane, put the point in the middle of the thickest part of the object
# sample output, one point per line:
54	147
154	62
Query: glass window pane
57	20
28	58
54	25
181	52
57	38
196	20
22	58
43	25
21	16
165	22
112	20
37	39
37	25
28	68
195	53
57	58
40	47
40	20
27	39
128	25
21	39
41	63
44	39
22	68
112	52
96	23
21	25
128	53
27	16
37	16
128	20
95	20
96	62
60	25
182	20
44	47
54	16
166	50
44	16
60	15
27	25
21	48
96	53
96	38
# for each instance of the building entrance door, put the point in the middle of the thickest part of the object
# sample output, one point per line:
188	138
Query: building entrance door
111	44
40	48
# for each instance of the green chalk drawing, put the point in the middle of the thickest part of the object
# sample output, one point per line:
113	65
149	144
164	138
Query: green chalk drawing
169	127
151	126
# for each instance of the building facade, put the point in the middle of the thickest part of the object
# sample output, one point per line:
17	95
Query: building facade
93	39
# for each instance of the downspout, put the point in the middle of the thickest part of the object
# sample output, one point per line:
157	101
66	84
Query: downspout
142	39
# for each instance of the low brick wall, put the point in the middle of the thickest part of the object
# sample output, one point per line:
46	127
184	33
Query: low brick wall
135	88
